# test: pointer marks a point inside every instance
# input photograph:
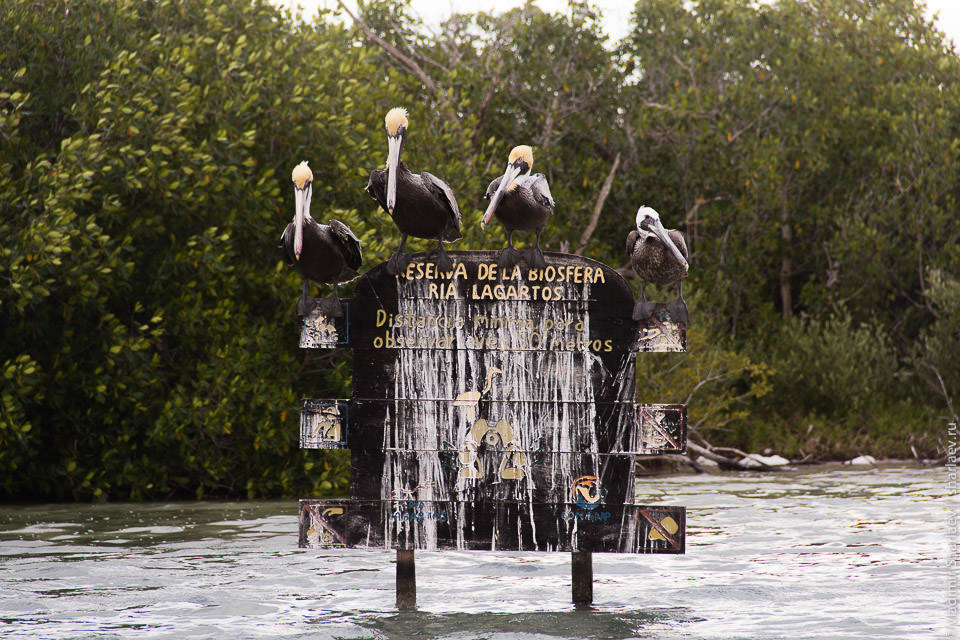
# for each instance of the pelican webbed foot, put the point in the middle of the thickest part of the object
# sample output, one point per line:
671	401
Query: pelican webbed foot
678	308
678	311
442	260
305	305
508	258
330	307
534	258
399	260
397	263
642	310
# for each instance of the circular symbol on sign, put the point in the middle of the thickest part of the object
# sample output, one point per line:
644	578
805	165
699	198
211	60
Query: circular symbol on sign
586	492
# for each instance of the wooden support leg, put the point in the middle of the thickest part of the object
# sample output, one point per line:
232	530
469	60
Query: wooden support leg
582	569
406	580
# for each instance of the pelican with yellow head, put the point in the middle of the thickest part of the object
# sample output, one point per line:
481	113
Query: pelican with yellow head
421	204
328	253
521	202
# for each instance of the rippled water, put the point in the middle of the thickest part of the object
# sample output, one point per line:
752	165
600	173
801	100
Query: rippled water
835	553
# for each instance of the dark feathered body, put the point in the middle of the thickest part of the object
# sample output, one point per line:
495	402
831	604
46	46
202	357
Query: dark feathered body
652	260
331	253
425	208
526	207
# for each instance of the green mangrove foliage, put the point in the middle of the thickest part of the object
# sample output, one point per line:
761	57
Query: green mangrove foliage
809	150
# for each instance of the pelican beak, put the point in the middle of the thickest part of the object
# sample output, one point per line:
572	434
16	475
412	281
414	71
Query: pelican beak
513	170
303	203
393	159
665	238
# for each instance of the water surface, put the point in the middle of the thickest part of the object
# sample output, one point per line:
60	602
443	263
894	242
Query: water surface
827	553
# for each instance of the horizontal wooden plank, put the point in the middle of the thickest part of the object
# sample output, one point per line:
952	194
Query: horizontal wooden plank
487	476
658	334
528	428
574	525
575	304
461	326
530	375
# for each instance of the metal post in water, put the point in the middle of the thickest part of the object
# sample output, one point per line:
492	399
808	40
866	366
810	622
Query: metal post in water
406	580
582	570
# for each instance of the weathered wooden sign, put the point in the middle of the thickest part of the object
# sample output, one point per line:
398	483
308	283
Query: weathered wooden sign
493	410
324	424
581	525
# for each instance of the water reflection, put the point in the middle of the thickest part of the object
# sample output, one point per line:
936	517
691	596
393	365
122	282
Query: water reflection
564	624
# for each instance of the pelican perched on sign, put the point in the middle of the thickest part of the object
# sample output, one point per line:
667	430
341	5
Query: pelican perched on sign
522	202
421	205
659	256
320	252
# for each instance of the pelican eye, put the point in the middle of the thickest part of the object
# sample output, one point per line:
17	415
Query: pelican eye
521	164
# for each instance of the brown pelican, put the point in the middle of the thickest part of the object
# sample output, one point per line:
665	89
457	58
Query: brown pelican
659	256
422	206
521	202
320	252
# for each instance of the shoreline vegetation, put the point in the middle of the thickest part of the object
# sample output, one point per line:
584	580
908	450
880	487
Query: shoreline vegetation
809	151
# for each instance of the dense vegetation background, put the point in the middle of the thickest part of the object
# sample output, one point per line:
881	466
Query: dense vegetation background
810	150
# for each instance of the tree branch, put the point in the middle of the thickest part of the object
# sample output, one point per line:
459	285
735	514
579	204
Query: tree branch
598	207
730	463
410	63
485	101
548	125
942	390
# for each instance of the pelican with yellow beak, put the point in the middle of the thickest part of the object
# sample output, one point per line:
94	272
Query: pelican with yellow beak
328	253
659	256
421	205
521	202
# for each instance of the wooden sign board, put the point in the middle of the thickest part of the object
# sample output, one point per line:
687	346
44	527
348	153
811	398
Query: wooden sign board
651	429
500	401
514	526
477	285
